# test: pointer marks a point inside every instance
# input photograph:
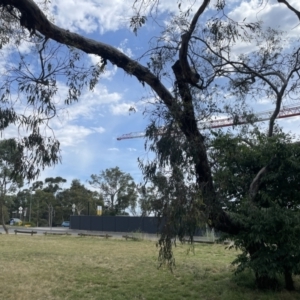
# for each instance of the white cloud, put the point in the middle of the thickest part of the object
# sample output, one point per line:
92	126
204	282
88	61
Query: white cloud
125	49
71	135
92	15
98	129
131	149
264	100
90	105
273	15
122	108
109	72
102	15
113	149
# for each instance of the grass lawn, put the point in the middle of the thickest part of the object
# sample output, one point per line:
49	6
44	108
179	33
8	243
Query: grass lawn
65	267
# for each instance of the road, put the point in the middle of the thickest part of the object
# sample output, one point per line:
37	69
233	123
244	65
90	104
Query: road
75	232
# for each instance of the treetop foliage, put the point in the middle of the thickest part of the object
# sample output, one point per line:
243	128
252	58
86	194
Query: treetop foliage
117	188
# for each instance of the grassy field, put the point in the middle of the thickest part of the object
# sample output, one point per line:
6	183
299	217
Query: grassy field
64	267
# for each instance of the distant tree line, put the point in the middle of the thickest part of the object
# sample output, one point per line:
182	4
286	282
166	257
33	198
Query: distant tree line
49	202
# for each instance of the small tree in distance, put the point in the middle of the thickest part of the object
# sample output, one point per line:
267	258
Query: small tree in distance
118	190
79	195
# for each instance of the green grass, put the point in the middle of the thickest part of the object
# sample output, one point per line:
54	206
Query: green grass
64	267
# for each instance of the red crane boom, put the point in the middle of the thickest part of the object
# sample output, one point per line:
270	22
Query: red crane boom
285	112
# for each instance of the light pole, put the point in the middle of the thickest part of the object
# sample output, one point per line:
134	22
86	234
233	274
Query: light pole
25	209
31	192
51	215
73	208
20	211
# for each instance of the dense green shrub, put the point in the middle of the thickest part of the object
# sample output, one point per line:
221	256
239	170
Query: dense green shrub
269	222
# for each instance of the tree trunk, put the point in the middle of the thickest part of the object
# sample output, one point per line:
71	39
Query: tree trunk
289	283
2	217
266	282
38	213
263	281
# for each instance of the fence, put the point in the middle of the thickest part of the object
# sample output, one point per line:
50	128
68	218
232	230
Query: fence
114	224
117	224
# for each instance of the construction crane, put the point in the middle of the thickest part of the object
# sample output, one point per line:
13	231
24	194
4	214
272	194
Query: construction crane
285	112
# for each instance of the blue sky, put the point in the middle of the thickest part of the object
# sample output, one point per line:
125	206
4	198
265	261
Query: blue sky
88	129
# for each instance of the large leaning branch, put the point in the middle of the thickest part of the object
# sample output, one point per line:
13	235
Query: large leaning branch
297	12
35	17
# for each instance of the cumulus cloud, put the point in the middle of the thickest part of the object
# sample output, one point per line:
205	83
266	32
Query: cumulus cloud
113	149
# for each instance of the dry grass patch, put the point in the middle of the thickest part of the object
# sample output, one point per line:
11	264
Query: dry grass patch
64	267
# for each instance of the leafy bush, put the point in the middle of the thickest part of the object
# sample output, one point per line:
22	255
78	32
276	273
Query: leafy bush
269	222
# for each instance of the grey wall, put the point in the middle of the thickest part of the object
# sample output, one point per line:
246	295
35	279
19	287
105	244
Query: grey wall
117	224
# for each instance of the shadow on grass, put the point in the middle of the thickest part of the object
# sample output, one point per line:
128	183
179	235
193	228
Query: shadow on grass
246	280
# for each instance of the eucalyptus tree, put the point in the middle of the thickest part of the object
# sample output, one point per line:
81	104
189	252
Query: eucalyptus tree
27	93
54	185
148	199
84	199
193	54
9	182
117	188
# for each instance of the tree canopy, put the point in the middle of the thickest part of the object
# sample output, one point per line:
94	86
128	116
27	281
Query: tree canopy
9	182
117	189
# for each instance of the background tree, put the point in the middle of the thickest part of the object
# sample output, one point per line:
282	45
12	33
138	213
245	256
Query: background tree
10	206
40	210
53	186
84	199
37	186
148	197
24	199
117	188
9	182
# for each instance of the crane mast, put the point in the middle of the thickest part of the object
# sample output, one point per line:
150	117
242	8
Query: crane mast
285	112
